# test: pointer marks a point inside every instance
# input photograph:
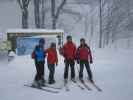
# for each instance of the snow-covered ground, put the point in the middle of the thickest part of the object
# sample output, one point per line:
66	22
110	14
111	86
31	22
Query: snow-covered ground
112	70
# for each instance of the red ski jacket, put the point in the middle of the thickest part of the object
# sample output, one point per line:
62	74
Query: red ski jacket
69	51
84	53
51	56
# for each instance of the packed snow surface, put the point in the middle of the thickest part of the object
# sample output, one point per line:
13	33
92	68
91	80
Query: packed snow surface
112	71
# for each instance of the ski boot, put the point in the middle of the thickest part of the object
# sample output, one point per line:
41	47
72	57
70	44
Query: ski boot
73	79
51	82
81	80
91	80
36	84
65	81
41	82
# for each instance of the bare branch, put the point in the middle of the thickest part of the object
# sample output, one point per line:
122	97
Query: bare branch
20	4
83	2
60	8
69	11
27	3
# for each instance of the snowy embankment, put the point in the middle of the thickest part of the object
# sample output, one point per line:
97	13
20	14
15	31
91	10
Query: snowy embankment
112	70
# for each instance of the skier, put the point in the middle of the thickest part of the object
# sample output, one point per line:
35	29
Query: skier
38	55
84	57
52	60
69	52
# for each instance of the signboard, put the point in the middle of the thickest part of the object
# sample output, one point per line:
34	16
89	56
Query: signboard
25	45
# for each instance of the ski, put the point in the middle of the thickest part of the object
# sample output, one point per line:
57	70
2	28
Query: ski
42	89
85	85
97	87
52	87
48	86
78	85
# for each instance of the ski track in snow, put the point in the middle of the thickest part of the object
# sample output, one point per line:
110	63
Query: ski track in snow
112	71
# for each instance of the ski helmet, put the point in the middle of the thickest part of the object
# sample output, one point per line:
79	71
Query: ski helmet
42	41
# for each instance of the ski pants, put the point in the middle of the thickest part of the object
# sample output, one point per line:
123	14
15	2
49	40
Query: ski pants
87	65
51	68
39	70
70	63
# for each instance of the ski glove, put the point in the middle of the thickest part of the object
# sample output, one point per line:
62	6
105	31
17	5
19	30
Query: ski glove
56	64
78	61
91	62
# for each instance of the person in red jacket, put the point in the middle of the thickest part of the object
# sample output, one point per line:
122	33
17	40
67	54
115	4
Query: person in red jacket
84	57
69	52
52	60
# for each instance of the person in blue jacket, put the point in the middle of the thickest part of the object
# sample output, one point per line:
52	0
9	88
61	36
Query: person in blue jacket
38	55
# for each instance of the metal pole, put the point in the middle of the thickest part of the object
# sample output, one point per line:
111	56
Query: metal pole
100	23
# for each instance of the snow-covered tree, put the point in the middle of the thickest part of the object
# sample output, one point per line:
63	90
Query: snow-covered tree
37	13
117	20
55	11
24	9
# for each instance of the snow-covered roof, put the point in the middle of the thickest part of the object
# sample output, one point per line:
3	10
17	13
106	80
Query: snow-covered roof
34	31
42	36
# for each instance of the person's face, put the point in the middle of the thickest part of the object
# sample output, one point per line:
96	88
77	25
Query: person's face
54	47
82	42
69	39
